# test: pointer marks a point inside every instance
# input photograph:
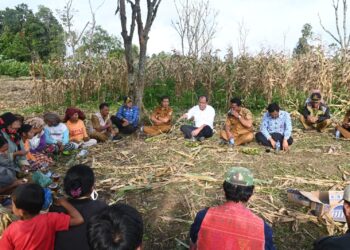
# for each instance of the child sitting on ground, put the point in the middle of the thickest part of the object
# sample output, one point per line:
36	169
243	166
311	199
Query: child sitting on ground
77	130
57	134
36	231
36	160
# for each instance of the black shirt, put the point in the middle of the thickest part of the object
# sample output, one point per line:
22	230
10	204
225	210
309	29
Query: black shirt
333	242
76	237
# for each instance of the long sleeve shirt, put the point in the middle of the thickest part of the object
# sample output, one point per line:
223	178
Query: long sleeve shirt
130	114
322	113
281	125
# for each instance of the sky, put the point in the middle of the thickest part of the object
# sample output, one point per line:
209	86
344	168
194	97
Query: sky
271	24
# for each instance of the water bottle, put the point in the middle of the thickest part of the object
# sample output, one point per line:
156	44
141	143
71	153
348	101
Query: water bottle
278	146
231	142
337	135
83	153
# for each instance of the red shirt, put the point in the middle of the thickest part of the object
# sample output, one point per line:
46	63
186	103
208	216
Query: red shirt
37	233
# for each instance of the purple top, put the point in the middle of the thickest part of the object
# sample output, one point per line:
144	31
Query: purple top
42	145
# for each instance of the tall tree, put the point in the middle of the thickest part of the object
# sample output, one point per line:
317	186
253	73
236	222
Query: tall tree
136	84
25	36
99	44
72	37
196	26
303	45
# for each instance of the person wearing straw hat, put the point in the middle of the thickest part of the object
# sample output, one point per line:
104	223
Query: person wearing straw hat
127	117
232	225
337	242
161	118
316	114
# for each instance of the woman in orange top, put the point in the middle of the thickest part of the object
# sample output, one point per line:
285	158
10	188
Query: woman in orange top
36	160
77	131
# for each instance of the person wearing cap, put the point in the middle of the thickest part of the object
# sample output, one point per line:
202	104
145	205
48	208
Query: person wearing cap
238	125
127	117
315	114
161	118
337	242
312	91
344	128
276	126
231	224
203	116
102	127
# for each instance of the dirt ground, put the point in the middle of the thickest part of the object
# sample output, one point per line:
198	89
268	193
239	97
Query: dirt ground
168	180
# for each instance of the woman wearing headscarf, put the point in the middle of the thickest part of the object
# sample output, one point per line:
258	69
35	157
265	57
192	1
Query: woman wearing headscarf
9	125
77	131
57	133
38	142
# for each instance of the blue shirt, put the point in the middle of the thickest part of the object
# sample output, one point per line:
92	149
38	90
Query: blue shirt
195	227
282	125
130	114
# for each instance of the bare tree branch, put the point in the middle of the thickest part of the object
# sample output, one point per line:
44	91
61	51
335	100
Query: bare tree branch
196	25
328	32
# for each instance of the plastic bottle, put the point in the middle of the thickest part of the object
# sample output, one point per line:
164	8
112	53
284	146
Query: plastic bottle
278	146
337	135
83	153
231	142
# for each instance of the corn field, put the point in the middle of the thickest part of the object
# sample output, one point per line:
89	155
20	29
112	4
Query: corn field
267	75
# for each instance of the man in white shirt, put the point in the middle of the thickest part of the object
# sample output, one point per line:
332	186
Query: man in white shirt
203	116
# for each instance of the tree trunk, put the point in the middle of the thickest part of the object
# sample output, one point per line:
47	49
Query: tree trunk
139	86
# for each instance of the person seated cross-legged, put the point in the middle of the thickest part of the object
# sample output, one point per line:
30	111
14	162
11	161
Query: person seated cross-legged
127	117
276	126
161	119
239	124
102	127
203	115
77	131
315	114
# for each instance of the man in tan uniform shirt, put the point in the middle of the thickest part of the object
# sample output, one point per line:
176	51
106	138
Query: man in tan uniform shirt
161	119
239	124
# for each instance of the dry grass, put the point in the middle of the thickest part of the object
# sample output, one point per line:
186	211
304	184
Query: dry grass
268	72
169	181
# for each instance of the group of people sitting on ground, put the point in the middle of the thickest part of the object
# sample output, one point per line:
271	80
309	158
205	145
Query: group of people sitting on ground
275	128
80	221
83	222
